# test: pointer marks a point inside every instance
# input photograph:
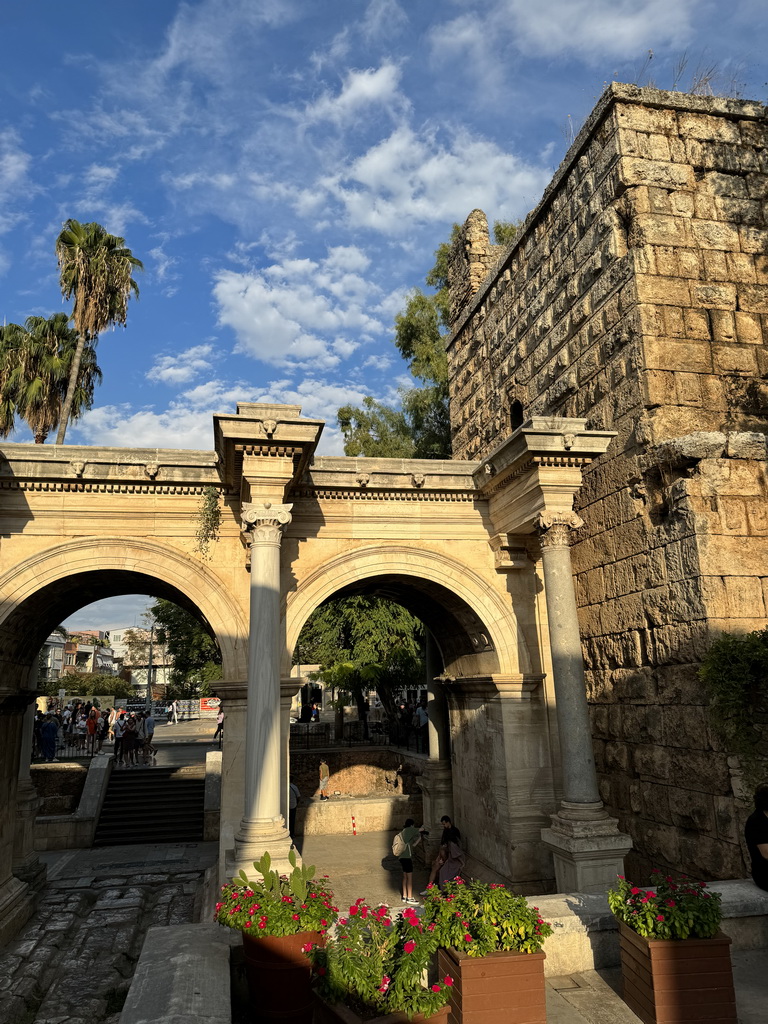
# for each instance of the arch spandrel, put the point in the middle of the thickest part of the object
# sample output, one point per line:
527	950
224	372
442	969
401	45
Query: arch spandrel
55	577
409	575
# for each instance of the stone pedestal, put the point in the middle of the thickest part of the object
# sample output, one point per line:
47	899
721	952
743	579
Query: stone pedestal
586	845
262	828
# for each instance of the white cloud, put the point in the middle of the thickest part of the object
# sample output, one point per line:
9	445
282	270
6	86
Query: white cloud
361	91
383	20
186	423
14	179
181	368
286	313
587	28
410	178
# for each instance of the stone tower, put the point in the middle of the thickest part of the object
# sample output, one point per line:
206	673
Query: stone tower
636	297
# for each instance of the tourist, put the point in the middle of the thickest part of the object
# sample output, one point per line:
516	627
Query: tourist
411	837
129	741
149	727
315	714
101	731
219	724
454	859
450	833
325	775
141	739
49	731
756	837
92	728
173	713
293	802
118	729
81	731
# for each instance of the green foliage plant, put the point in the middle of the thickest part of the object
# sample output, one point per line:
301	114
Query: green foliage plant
735	675
208	521
478	918
669	909
276	904
376	963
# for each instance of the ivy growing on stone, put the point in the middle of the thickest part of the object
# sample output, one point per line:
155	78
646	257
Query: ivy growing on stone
209	520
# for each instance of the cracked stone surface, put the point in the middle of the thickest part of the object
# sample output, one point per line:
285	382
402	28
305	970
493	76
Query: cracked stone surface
73	961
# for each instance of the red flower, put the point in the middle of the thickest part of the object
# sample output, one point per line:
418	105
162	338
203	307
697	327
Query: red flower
435	988
467	937
294	917
448	980
659	917
323	923
431	927
321	970
353	909
307	947
634	890
409	946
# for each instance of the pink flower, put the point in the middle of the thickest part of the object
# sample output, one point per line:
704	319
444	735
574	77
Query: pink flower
467	937
323	923
247	924
659	917
386	922
353	909
363	912
409	946
219	906
431	927
435	988
448	980
671	903
295	917
634	890
262	924
307	947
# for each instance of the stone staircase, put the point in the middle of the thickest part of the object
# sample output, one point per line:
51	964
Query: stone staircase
152	805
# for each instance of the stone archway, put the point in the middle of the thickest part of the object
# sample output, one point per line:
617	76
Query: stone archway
476	631
42	590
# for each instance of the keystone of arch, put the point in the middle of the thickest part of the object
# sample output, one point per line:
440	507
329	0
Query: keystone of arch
200	585
492	608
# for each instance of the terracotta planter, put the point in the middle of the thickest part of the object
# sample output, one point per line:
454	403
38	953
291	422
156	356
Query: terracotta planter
338	1013
677	981
500	988
278	976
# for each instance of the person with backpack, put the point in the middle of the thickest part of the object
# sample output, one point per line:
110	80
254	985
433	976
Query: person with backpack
402	846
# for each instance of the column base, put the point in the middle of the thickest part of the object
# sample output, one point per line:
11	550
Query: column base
17	904
254	840
588	852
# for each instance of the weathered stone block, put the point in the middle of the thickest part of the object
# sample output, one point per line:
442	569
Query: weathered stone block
663	291
714	296
636	171
754	298
712	234
690	809
734	359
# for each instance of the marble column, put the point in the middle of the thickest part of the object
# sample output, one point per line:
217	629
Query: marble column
587	847
437	777
263	828
26	863
289	687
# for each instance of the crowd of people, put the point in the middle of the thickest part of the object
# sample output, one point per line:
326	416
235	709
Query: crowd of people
86	728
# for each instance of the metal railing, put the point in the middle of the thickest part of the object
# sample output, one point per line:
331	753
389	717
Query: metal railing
319	735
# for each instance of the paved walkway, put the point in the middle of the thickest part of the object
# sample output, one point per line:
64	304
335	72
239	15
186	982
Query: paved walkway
73	962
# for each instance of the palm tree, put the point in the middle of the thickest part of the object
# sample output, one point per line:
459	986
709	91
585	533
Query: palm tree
35	364
94	267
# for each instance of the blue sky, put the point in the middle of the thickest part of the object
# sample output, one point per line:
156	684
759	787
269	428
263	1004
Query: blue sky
286	168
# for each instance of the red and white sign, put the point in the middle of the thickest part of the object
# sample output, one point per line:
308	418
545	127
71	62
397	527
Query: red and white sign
209	703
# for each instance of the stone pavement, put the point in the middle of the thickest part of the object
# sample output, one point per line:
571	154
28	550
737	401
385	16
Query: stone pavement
73	962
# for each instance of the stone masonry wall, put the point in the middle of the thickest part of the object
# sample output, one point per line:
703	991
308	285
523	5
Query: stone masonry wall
636	297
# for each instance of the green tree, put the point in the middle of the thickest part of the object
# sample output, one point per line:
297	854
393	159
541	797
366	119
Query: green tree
83	684
190	646
363	643
96	269
35	364
420	428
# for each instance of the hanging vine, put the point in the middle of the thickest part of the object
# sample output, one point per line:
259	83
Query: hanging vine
209	521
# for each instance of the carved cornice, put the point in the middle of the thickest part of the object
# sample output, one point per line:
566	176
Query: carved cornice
555	528
510	687
376	494
103	487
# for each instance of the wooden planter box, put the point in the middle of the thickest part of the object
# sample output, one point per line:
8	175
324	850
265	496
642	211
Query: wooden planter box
338	1013
500	988
677	981
278	976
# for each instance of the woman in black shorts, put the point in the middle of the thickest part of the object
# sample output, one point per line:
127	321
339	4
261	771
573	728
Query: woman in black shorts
411	837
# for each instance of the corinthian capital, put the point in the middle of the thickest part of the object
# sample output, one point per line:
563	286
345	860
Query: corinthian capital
554	528
265	522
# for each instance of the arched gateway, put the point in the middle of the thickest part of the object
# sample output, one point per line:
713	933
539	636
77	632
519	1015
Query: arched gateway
478	550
